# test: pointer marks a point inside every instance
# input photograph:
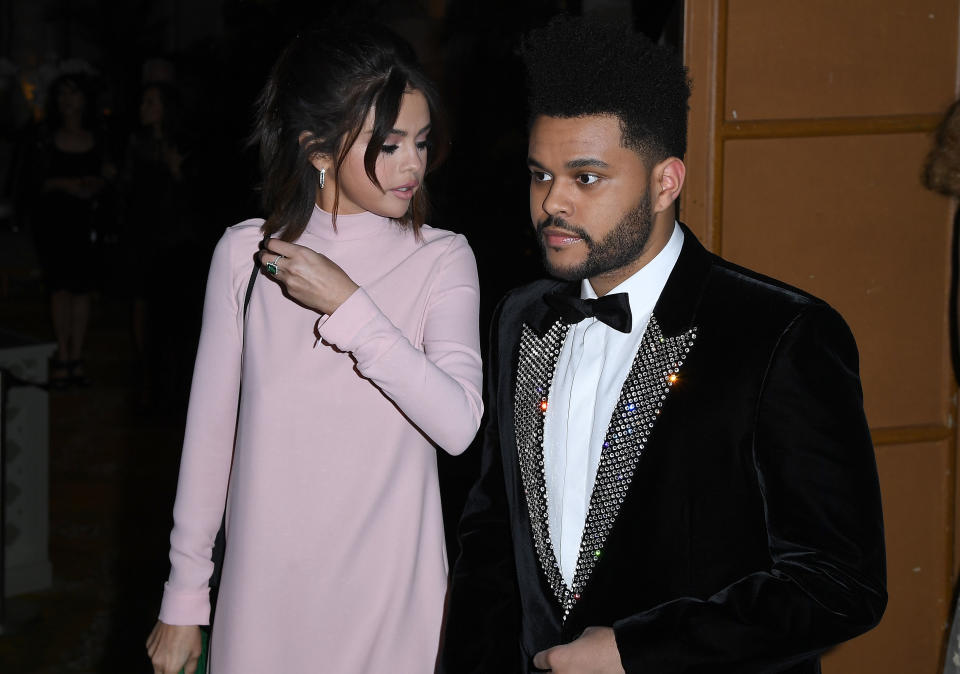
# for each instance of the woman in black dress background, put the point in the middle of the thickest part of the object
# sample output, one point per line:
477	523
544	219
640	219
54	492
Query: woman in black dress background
70	174
157	230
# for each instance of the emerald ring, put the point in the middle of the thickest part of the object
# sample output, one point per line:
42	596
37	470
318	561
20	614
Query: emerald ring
272	268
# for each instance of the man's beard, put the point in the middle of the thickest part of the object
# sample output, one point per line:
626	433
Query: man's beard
624	244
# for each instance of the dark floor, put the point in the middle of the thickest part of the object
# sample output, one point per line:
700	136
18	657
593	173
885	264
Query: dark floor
113	464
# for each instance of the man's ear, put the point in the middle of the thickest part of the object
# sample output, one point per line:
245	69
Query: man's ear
666	181
319	161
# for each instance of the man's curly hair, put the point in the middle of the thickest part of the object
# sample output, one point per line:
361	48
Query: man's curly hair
577	68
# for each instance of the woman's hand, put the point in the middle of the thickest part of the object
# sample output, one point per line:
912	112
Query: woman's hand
173	159
174	647
310	278
85	187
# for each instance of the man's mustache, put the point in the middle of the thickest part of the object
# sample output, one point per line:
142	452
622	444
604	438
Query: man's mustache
560	223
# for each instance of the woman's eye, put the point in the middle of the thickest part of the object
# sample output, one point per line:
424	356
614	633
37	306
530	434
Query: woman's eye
423	145
389	149
587	178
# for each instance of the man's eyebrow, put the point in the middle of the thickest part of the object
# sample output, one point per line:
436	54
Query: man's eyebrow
587	162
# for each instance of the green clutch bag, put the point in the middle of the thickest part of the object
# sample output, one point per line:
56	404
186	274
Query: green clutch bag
204	647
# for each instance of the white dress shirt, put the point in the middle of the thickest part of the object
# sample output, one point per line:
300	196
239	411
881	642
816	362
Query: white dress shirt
591	369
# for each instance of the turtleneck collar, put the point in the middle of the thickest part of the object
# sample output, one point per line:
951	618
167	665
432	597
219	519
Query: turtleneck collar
358	226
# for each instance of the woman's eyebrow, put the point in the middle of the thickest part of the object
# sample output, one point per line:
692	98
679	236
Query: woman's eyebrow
403	134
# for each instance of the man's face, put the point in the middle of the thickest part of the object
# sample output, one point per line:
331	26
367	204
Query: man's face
589	198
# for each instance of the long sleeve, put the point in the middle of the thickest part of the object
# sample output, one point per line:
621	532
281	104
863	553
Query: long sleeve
815	466
483	624
437	388
208	443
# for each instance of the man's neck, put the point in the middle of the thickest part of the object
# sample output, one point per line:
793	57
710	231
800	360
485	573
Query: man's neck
659	236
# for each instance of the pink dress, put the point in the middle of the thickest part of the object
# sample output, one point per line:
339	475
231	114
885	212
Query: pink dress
335	555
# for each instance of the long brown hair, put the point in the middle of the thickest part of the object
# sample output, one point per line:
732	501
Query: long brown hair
321	89
941	170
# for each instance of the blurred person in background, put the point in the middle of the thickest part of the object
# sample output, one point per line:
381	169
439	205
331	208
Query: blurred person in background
68	171
156	231
941	173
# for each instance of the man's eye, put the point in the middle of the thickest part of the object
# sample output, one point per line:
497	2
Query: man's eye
389	149
587	178
540	176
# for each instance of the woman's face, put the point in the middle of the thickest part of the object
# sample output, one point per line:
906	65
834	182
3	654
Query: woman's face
151	108
400	165
70	99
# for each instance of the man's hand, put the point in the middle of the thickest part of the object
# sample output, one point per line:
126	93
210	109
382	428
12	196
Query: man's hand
593	652
174	647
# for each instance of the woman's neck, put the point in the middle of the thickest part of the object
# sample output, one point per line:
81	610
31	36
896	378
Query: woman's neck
72	124
73	138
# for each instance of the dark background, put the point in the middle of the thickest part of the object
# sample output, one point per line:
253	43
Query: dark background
218	53
113	463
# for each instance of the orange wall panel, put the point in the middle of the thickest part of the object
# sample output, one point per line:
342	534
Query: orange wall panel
823	58
846	219
697	199
916	486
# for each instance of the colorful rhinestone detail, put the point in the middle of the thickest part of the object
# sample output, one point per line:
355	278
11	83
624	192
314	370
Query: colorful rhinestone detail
538	358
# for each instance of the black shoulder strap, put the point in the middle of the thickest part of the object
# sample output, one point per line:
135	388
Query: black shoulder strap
253	273
220	542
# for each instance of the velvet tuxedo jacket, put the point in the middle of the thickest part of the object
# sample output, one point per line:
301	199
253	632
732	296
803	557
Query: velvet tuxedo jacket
735	525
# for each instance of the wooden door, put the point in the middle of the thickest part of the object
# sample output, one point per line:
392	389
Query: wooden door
809	126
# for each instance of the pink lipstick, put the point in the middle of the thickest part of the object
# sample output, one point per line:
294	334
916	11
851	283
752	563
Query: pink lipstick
405	191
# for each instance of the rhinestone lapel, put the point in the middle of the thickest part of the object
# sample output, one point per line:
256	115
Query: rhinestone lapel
538	359
653	372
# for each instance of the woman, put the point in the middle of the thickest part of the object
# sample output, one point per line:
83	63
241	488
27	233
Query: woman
360	353
941	173
69	171
157	228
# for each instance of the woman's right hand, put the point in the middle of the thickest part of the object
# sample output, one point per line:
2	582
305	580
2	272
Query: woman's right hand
85	187
310	278
174	647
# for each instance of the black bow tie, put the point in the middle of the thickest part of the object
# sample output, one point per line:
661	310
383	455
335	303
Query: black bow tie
614	310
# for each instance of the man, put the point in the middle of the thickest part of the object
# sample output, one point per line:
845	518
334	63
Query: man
678	477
